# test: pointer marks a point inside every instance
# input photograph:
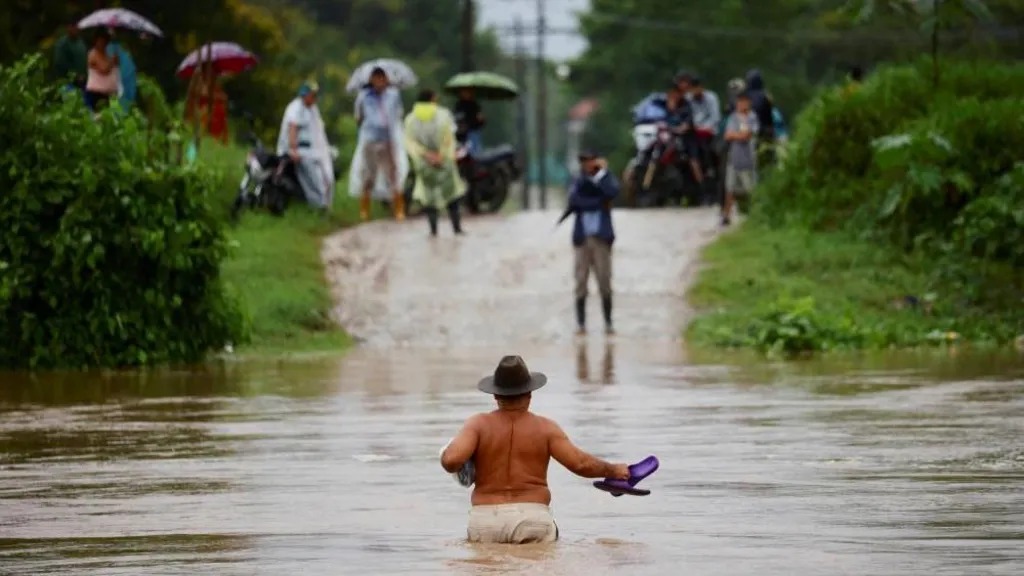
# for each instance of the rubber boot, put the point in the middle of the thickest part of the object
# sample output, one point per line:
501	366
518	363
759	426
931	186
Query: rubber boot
364	207
398	205
606	307
432	219
581	315
456	216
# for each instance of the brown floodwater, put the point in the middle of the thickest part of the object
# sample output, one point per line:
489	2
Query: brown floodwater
873	465
866	465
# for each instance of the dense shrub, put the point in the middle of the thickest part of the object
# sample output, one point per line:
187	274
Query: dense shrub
110	256
896	158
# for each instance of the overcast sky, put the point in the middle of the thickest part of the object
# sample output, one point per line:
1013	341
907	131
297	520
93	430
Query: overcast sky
560	13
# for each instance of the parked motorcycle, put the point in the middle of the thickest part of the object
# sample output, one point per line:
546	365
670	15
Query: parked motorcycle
268	181
489	174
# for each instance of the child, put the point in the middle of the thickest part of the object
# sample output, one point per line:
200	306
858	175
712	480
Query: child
741	162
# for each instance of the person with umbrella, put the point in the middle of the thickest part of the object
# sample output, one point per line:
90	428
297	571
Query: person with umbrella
380	148
304	139
470	119
591	198
103	77
127	83
430	139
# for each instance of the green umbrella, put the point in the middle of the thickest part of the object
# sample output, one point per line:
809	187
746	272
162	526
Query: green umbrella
488	85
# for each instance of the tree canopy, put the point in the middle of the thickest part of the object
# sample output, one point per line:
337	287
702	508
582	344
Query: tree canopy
635	46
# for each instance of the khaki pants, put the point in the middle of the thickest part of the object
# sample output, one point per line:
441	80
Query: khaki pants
594	254
512	524
740	182
377	156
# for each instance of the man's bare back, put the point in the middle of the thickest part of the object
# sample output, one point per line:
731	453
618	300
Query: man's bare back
511	448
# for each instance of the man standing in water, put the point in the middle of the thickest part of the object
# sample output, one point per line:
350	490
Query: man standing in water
591	199
510	448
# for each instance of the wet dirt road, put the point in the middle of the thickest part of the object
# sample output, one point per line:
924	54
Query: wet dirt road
877	465
509	280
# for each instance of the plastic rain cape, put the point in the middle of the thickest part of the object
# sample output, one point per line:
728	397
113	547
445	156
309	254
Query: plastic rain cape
316	168
381	191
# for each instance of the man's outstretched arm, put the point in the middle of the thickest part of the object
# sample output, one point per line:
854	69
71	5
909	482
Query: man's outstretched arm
462	447
579	462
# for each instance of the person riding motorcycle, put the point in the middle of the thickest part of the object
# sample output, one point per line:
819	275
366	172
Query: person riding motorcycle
707	115
679	118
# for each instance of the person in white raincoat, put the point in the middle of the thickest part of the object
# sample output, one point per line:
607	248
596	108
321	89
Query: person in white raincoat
304	139
379	165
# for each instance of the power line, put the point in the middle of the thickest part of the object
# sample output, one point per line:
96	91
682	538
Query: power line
854	34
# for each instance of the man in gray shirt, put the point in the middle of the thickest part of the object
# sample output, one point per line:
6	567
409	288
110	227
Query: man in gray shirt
741	162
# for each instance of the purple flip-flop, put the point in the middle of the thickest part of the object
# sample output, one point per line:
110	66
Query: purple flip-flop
637	472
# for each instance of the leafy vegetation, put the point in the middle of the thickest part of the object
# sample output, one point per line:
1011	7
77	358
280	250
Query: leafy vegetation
635	46
275	264
110	254
295	40
898	212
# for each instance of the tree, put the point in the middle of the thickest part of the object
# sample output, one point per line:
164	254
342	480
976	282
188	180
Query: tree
931	15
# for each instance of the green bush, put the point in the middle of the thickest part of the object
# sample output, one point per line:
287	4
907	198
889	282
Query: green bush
110	256
898	159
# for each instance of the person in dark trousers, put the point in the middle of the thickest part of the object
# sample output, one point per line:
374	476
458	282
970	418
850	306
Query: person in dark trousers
470	120
591	199
430	140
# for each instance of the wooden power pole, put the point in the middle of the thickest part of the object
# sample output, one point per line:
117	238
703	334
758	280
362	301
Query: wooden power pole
468	20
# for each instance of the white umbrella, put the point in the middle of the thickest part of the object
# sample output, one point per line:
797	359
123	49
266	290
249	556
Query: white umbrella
399	74
119	18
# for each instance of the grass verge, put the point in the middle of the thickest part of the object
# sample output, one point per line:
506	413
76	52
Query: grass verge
794	291
276	266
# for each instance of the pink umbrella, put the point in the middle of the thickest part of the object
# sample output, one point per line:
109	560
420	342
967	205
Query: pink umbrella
226	57
119	18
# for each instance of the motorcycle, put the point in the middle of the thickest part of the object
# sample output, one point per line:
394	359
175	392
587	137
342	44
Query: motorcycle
660	173
268	181
488	174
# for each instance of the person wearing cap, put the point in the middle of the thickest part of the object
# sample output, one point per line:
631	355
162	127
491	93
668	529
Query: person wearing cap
590	199
510	449
430	139
380	165
304	139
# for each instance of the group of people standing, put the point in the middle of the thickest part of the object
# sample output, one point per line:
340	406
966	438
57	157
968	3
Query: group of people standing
102	73
388	141
694	115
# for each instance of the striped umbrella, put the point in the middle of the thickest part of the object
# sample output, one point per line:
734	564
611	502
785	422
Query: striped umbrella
119	18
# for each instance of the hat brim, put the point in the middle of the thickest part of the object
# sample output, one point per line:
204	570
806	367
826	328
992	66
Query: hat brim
537	381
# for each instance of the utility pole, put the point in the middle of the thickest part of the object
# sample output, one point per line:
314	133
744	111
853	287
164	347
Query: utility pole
468	19
523	143
542	110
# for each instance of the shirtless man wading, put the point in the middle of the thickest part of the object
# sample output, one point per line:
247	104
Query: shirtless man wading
510	448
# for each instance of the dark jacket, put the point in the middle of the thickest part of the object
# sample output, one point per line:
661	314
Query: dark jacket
759	101
588	196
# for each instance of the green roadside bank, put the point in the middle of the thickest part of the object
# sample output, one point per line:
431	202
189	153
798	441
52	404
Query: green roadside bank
893	222
275	265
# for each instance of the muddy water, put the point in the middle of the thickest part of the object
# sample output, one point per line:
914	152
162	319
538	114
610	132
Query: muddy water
878	465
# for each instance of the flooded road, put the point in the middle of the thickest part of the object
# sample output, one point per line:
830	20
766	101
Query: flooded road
509	281
871	465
